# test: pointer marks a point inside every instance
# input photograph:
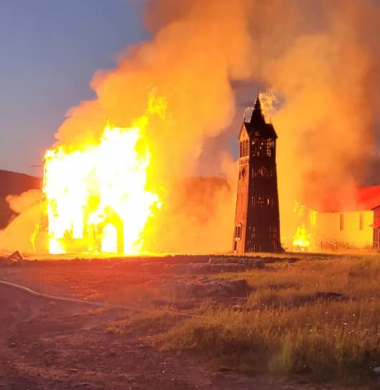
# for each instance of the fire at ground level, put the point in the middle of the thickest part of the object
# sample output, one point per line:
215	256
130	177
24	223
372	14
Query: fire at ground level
345	222
336	226
325	231
316	232
102	198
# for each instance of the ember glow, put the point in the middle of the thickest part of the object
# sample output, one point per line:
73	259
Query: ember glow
301	240
97	197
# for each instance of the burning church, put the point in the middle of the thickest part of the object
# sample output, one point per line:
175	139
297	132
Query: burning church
96	200
257	216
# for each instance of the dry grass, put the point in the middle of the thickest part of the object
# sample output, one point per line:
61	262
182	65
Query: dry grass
288	326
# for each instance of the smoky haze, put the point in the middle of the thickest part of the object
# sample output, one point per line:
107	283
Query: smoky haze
17	235
318	57
327	75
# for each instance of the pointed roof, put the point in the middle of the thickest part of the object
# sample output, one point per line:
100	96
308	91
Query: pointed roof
257	125
257	113
257	105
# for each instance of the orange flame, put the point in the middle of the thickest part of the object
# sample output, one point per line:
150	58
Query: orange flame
301	239
96	196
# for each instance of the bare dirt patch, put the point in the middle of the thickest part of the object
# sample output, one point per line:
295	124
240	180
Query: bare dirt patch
54	345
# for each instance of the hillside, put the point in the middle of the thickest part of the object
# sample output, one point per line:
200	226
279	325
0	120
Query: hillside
13	183
16	183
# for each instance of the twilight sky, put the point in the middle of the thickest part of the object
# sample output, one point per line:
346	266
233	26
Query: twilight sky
49	52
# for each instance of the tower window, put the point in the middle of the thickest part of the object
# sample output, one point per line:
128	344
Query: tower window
270	146
273	232
253	232
244	148
259	147
262	172
238	231
242	174
261	201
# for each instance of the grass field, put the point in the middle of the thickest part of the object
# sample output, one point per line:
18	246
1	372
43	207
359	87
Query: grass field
308	317
318	318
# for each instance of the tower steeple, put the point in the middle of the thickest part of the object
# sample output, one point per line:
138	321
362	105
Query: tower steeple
257	105
257	216
257	115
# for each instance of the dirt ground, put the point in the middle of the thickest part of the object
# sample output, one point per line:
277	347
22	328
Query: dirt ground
51	345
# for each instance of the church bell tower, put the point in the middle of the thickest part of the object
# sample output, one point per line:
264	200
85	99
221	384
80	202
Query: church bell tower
257	215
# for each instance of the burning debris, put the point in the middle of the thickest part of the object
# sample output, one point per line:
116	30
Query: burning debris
97	197
16	256
301	242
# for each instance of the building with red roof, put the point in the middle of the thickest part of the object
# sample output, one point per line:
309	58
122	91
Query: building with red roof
349	219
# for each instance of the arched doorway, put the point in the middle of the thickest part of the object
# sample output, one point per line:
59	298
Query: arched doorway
110	233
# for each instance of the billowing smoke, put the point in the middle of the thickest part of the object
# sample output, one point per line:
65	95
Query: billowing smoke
323	62
18	234
196	50
318	57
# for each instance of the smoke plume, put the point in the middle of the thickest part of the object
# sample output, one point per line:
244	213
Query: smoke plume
17	235
196	50
326	72
318	57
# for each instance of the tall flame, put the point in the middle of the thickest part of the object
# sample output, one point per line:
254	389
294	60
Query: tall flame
302	238
301	241
97	197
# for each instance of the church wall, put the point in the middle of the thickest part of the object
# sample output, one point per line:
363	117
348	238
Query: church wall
349	228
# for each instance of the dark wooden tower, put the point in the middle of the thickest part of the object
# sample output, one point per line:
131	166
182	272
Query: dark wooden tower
257	215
